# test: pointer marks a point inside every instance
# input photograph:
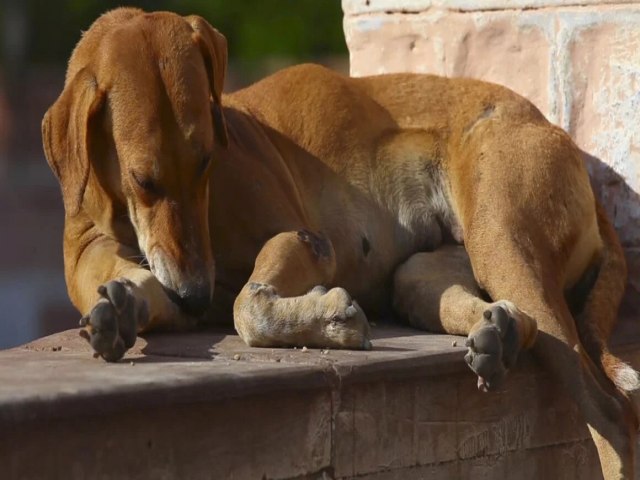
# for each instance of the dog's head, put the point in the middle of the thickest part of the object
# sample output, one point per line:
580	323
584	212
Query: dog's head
135	126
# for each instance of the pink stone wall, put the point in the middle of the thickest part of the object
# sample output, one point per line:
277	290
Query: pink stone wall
579	62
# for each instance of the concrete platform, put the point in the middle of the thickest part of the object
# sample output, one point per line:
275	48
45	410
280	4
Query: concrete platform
204	405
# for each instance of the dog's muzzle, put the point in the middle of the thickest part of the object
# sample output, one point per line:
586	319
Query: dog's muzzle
191	291
194	299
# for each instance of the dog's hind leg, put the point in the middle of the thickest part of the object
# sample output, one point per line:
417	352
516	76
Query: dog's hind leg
437	291
506	271
285	302
528	214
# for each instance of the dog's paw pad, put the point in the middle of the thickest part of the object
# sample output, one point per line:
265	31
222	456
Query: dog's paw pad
493	347
111	326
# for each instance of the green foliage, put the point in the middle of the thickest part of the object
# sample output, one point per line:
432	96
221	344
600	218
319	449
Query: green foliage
300	29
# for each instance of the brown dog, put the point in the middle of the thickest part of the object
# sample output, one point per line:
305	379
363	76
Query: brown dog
309	185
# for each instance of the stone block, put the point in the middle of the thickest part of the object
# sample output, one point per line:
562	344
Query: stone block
406	426
499	47
600	92
270	436
357	7
558	462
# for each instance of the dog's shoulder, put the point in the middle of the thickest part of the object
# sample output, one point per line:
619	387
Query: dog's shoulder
302	95
292	82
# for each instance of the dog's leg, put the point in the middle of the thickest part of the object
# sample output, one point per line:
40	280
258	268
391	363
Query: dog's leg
117	296
285	303
527	211
437	291
534	287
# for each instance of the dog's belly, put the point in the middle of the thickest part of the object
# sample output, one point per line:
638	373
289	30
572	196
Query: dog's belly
373	230
367	260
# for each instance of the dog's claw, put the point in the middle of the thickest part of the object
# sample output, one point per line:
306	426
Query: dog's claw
483	386
348	327
111	326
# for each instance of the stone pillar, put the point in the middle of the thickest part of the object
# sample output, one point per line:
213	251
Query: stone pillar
577	61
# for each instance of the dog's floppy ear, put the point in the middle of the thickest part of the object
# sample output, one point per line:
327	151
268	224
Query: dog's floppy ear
66	136
213	46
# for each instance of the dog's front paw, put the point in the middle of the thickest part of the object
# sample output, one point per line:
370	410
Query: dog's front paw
495	341
111	326
346	325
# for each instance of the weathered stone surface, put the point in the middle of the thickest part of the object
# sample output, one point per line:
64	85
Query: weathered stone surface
204	405
57	376
601	99
442	419
559	462
269	436
354	7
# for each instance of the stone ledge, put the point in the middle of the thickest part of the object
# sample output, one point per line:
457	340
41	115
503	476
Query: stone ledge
204	405
56	376
356	7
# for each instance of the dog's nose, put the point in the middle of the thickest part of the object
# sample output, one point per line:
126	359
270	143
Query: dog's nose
195	299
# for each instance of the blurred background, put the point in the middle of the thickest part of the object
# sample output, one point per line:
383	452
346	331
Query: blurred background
36	39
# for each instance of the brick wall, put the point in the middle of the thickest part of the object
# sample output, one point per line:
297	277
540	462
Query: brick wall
579	62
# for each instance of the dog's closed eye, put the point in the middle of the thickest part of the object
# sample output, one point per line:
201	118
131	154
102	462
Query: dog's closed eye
147	184
204	163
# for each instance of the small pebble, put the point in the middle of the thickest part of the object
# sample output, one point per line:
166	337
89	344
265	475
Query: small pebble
236	356
305	349
454	344
132	363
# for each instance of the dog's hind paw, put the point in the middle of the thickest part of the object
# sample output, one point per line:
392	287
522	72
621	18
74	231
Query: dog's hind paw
111	326
495	341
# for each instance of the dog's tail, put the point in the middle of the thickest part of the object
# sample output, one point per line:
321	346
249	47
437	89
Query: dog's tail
600	292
